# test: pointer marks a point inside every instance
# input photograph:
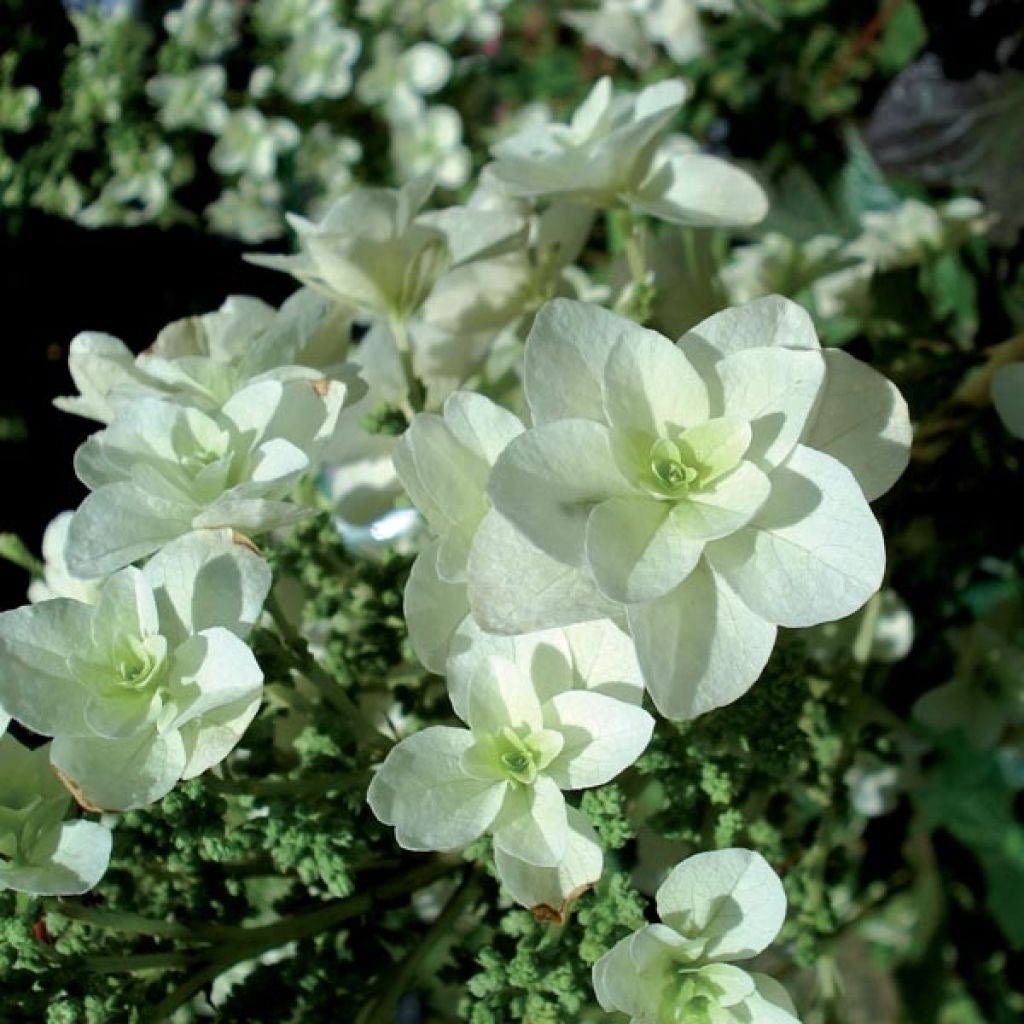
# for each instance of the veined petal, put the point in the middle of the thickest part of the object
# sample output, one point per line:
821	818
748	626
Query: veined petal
813	553
776	391
603	737
650	388
863	421
422	790
501	694
731	899
547	480
78	859
211	736
515	587
619	986
636	551
532	825
433	609
700	646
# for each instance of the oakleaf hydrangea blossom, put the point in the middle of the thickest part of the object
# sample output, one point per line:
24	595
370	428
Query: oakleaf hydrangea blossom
318	63
530	735
431	143
715	907
376	252
160	469
443	463
150	684
715	488
41	852
205	27
203	360
612	154
193	99
250	143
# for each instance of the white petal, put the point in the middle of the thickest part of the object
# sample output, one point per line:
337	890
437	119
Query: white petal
433	609
650	388
547	480
702	191
603	737
700	646
500	695
566	352
771	1003
619	986
483	426
731	899
863	421
549	892
119	775
36	685
776	390
514	587
532	825
422	790
209	738
77	861
724	505
636	551
813	553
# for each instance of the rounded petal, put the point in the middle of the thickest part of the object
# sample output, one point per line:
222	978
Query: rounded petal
36	685
702	191
76	858
813	553
515	587
650	388
500	695
636	550
548	479
566	352
863	421
120	775
723	506
603	737
422	790
210	737
700	646
549	892
776	391
433	608
731	899
208	579
532	825
482	426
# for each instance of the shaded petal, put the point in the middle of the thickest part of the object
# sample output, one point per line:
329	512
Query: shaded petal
532	825
78	859
433	610
636	551
500	695
723	506
700	646
210	737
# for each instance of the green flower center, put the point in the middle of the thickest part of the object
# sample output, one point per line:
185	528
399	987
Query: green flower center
672	469
519	758
691	999
515	754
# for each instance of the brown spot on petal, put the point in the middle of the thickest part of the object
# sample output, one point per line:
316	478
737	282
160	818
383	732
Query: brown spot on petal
322	386
242	540
72	787
550	915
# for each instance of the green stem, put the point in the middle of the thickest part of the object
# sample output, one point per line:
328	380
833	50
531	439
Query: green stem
117	920
415	397
382	1010
632	230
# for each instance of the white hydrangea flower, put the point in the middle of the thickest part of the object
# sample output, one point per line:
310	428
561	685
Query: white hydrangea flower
57	581
205	27
318	63
431	143
1008	397
449	20
377	253
398	79
40	852
531	734
251	211
139	189
160	469
716	488
203	360
250	143
610	154
193	99
152	683
715	907
443	463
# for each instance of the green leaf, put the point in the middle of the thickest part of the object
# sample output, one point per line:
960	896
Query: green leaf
969	796
904	37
